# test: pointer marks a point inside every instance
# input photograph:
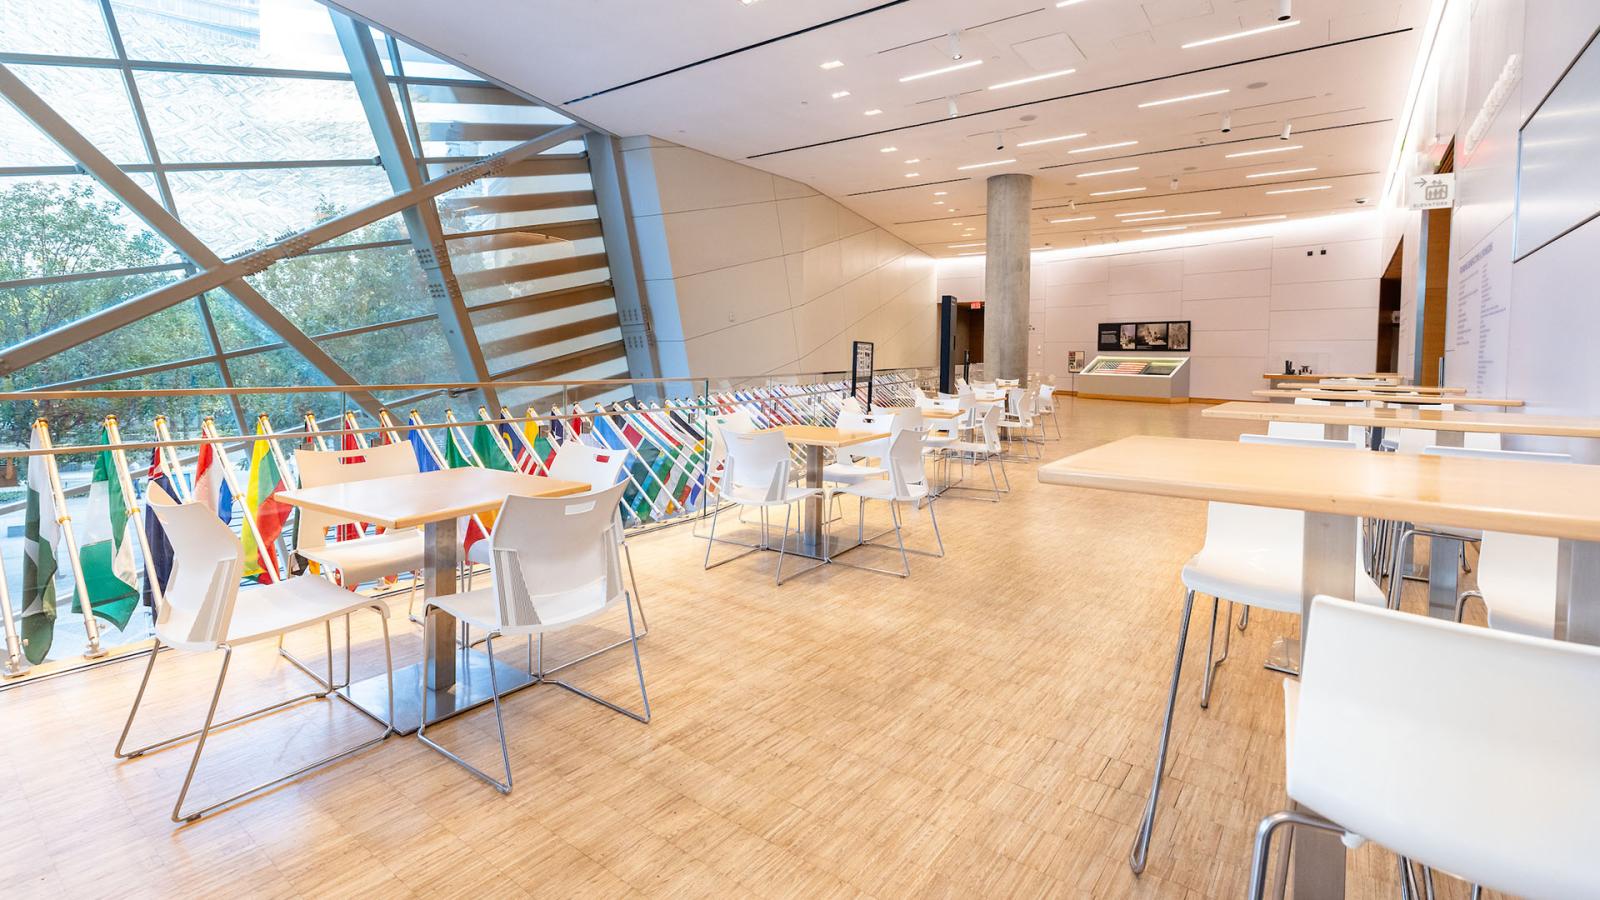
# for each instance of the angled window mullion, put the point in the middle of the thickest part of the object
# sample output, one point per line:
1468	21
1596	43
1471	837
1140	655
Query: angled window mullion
414	132
146	137
203	307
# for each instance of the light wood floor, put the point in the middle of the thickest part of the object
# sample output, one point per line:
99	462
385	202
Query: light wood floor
984	728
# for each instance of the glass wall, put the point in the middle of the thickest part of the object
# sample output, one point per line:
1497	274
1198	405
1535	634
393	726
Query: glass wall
242	119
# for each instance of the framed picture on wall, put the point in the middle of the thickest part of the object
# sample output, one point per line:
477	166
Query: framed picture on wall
1144	337
1075	360
1178	336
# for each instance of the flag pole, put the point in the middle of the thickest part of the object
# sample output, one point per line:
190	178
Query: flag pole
131	509
386	421
313	433
91	628
351	425
15	665
283	472
169	456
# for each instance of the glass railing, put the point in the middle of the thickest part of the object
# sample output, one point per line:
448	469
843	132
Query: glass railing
86	461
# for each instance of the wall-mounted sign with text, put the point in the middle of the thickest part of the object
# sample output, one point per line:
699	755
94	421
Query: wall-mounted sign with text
1432	191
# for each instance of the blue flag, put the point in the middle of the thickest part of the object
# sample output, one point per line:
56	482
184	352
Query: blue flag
155	537
419	446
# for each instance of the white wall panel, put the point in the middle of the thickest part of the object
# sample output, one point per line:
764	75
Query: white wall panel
1228	256
1343	259
1354	293
1227	315
1146	277
1136	307
1218	285
705	239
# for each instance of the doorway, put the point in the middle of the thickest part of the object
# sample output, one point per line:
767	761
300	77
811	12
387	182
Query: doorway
1389	313
1433	296
969	333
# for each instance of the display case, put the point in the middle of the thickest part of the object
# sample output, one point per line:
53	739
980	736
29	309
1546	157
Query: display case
1156	379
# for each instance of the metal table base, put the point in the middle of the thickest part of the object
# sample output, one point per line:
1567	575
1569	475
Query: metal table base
469	688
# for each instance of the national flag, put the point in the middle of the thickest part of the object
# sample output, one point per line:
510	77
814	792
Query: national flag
106	554
350	531
211	488
41	533
422	446
636	497
155	537
526	463
491	453
264	510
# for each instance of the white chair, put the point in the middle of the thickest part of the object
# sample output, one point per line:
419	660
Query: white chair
1019	416
1484	769
1047	404
600	468
851	405
557	564
370	556
985	447
203	609
1252	556
860	462
907	483
1517	573
757	474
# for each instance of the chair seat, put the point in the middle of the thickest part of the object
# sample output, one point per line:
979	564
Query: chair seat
477	608
970	447
371	557
938	442
1262	579
273	609
850	473
883	489
1520	606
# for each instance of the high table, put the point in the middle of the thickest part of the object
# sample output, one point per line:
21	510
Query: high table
1384	388
1359	396
434	500
1334	486
1312	377
814	514
1451	424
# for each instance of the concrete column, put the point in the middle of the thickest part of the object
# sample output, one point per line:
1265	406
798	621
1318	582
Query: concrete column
1007	278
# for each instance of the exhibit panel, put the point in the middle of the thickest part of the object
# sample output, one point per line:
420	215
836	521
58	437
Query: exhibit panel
1156	379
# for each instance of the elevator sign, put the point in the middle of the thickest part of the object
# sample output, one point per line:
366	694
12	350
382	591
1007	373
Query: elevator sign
1433	191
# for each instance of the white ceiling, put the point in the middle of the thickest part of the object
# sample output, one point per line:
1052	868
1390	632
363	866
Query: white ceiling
1340	77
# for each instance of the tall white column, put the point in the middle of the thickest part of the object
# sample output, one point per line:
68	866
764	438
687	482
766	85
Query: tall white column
1007	278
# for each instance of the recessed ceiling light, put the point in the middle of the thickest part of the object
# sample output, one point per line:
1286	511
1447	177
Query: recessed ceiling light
873	112
1052	140
1247	219
984	165
938	203
913	174
1073	219
1068	3
1164	228
887	149
831	64
913	161
1185	97
1139	212
964	246
958	223
1031	79
1197	215
1103	147
1132	190
1301	190
1240	34
940	71
973	253
940	193
839	95
1108	172
1281	172
1263	152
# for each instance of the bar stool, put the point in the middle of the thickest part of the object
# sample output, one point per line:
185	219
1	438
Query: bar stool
1486	768
1252	556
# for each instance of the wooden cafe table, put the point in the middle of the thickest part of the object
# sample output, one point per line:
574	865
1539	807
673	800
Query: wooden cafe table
1334	486
456	681
1370	396
1451	424
815	439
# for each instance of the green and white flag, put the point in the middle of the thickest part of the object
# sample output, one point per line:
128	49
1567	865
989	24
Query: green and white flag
41	534
107	554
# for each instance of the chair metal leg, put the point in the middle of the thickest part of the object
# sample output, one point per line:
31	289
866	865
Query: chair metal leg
1461	602
1141	842
783	543
499	718
638	667
644	630
1244	618
1211	646
936	535
1264	832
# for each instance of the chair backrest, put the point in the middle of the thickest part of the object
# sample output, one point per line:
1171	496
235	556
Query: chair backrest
1046	397
555	558
738	420
852	405
207	563
989	428
1298	429
598	467
905	464
324	467
759	461
1292	441
1279	533
855	421
1019	403
1485	768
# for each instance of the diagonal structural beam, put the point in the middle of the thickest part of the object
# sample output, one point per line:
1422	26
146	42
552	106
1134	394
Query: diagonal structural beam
163	223
422	219
134	308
